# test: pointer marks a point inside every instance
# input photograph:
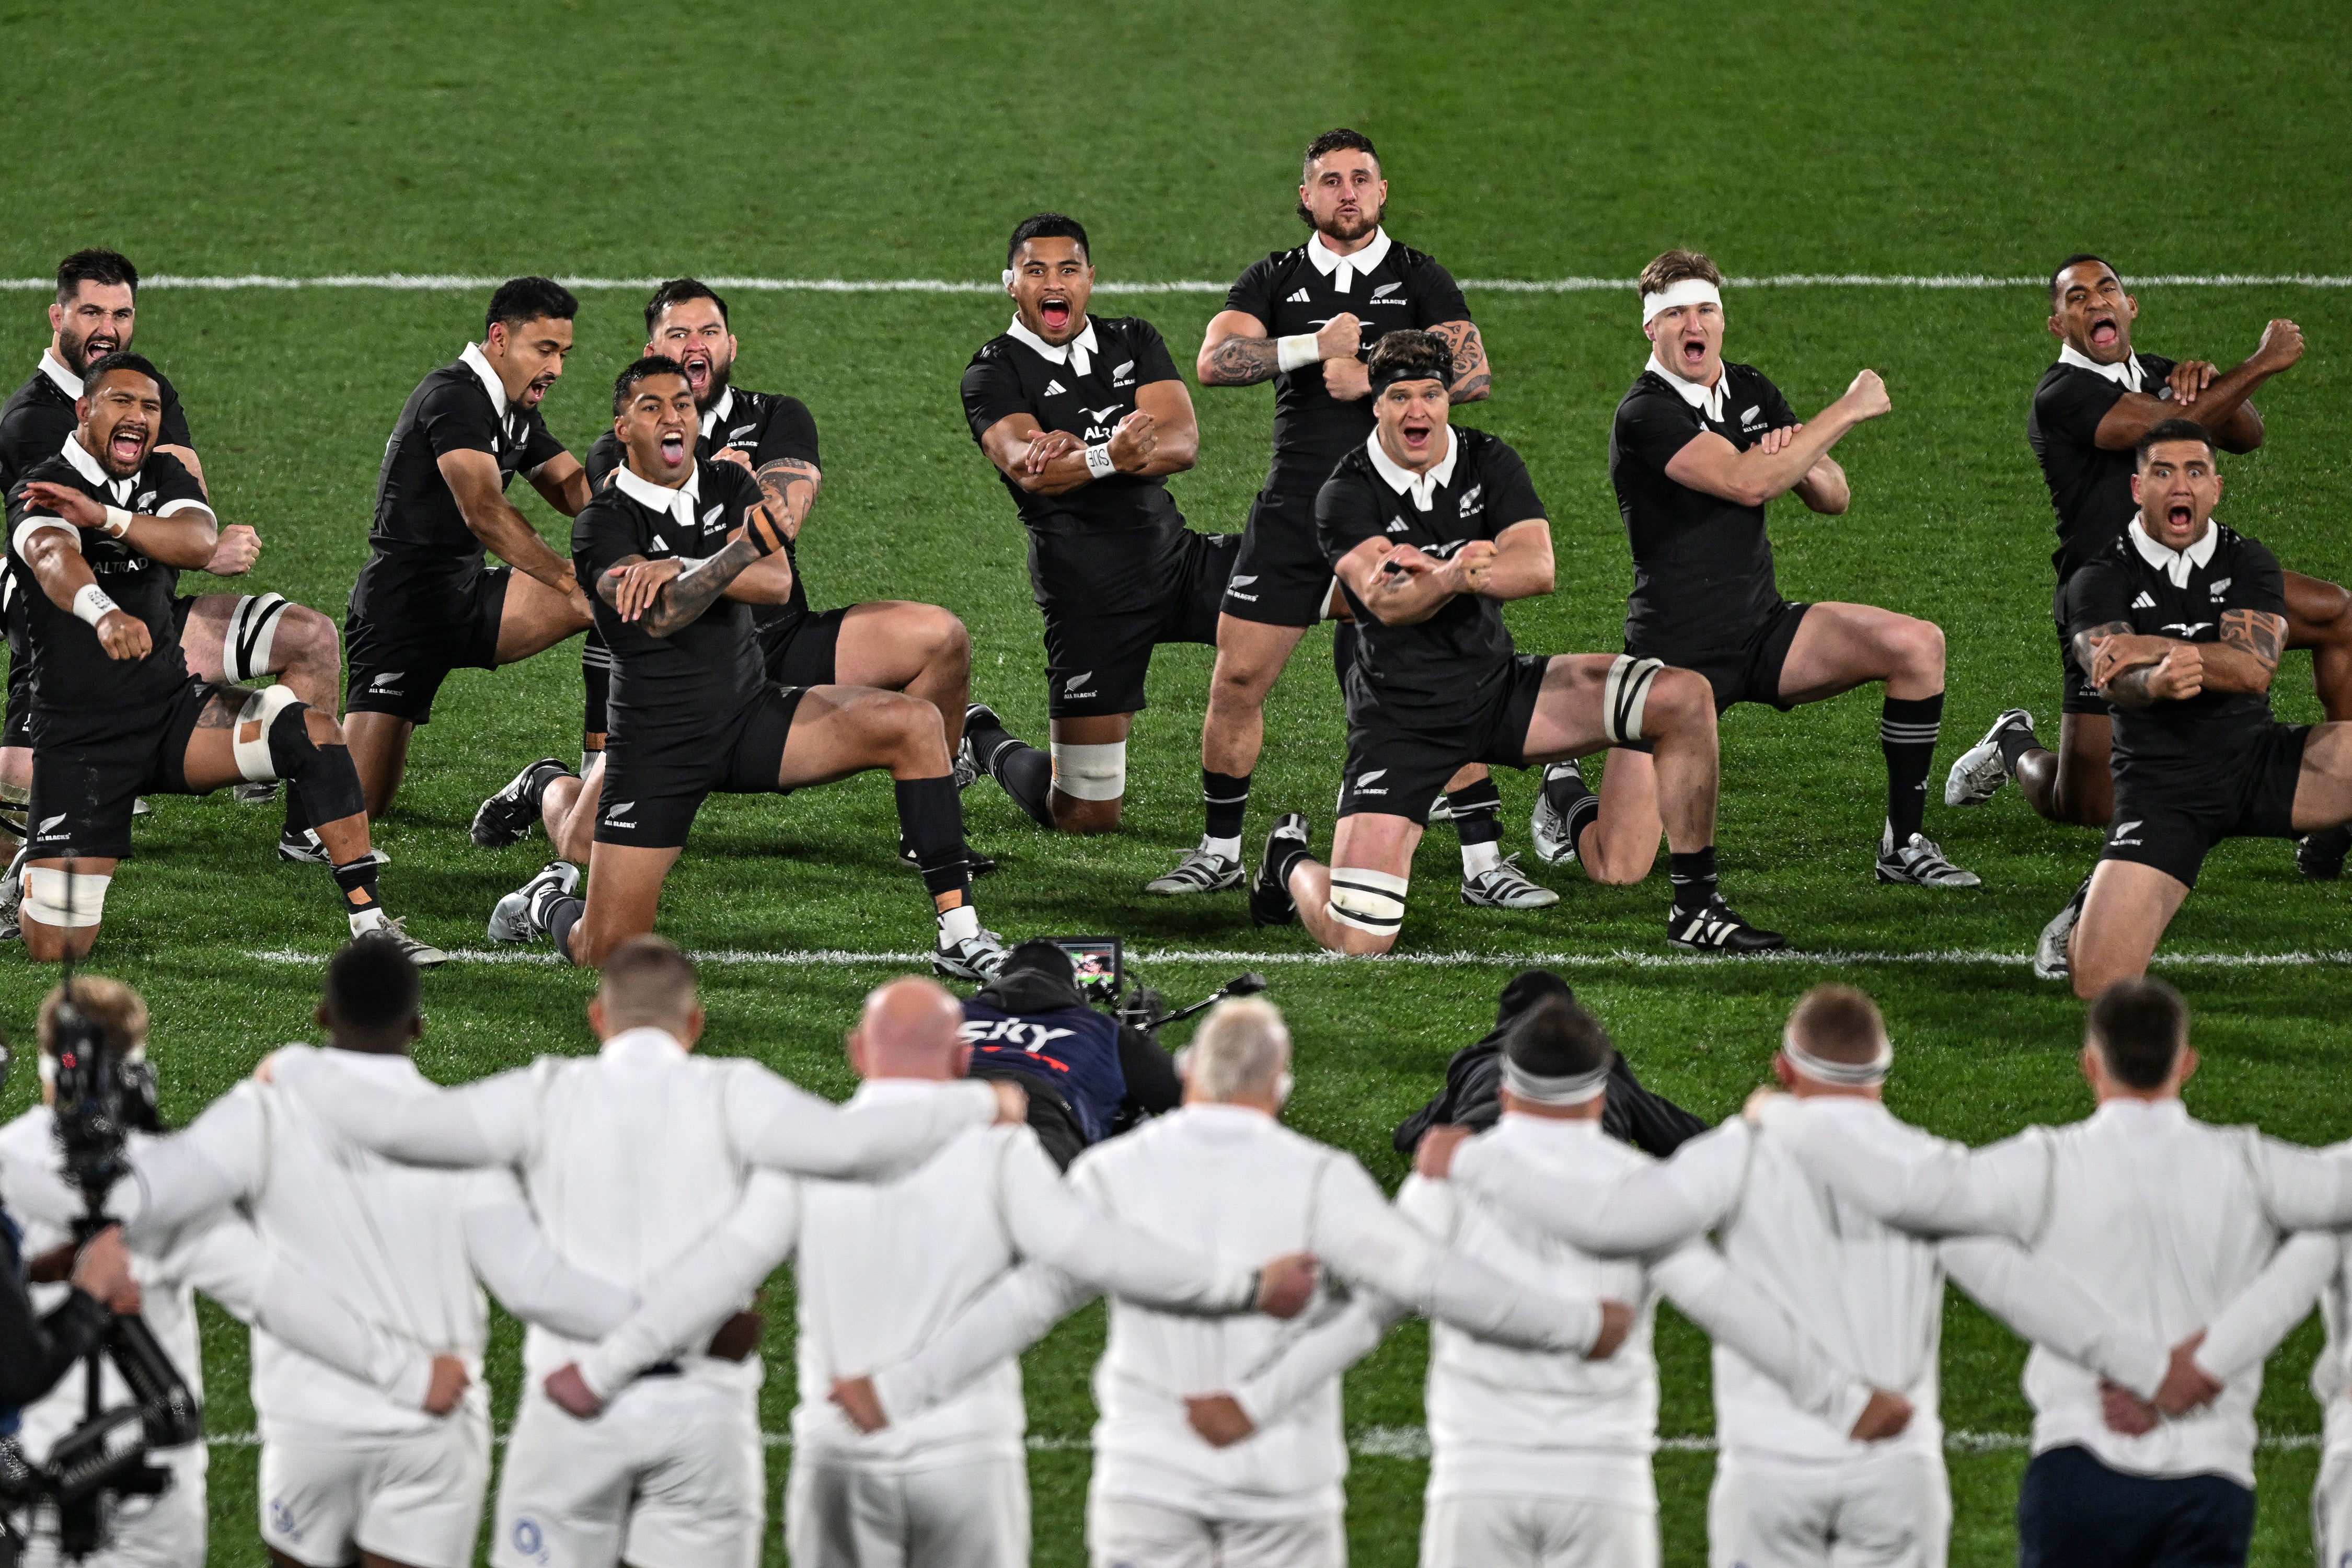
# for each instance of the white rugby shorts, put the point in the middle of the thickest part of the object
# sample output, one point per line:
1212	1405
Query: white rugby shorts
847	1515
416	1499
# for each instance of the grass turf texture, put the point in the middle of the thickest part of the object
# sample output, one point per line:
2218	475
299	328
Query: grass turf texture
1524	142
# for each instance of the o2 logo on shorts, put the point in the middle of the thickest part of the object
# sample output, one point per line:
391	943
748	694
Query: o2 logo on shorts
282	1519
530	1539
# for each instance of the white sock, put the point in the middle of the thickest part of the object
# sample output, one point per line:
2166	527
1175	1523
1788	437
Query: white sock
959	924
1222	849
1477	857
366	920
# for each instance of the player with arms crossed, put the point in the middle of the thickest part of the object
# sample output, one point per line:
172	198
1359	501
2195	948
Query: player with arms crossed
1085	418
1432	529
677	550
1304	318
425	603
1699	447
114	708
2180	623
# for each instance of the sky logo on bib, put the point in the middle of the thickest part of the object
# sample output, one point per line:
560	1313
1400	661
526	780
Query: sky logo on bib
1364	781
1070	687
1020	1032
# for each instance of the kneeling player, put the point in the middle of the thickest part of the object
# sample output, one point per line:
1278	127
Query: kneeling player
114	711
1431	530
2180	621
676	552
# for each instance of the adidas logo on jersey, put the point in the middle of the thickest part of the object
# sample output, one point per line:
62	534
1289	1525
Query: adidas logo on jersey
1053	387
1396	525
660	546
2145	602
1298	299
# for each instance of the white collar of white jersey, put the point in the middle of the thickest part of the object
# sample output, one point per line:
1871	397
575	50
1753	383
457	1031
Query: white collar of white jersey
87	466
54	368
1077	354
479	364
2169	1107
1343	271
646	1044
382	1064
2175	564
679	503
718	410
1707	400
2125	373
1422	488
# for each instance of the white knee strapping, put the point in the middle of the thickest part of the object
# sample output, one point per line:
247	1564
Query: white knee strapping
1090	772
1624	694
1369	900
69	899
252	630
250	739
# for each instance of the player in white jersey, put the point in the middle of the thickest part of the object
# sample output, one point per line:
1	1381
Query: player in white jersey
882	1268
2162	1221
1792	1490
1542	1460
1223	1176
630	1158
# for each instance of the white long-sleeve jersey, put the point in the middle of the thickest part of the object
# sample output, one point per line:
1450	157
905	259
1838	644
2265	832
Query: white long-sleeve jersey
1870	1294
883	1267
1236	1186
1537	1423
632	1156
2160	1219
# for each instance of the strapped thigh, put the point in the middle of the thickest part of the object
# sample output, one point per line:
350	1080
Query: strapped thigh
1625	694
250	739
1369	900
252	631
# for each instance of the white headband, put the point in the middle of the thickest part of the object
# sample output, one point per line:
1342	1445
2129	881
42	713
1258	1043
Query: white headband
1845	1075
1689	291
1569	1089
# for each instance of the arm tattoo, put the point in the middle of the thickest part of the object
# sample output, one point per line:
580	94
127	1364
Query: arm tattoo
2256	633
1470	357
790	488
2129	689
2085	655
684	597
1243	362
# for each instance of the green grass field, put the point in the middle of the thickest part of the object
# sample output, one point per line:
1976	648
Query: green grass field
591	140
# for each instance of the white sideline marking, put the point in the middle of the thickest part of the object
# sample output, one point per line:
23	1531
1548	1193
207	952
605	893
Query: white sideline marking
452	281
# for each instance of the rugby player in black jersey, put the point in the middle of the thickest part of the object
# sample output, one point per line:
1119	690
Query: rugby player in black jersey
677	550
894	644
1699	445
231	637
1429	531
1085	418
2088	413
1305	317
94	535
426	603
2178	622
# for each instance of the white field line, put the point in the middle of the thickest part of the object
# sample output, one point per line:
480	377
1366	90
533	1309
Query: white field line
1621	959
451	281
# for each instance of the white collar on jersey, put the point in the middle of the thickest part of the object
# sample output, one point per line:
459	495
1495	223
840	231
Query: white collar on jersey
87	466
1707	400
2175	564
479	364
1077	354
1422	488
718	410
54	368
1343	271
2126	374
644	1043
679	503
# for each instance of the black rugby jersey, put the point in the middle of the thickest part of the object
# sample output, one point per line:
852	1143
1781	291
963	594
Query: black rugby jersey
71	672
678	689
39	415
1446	666
1104	548
452	410
1702	565
1288	293
2090	487
2120	583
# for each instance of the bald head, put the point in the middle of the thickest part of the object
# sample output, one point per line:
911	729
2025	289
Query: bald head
1240	1056
909	1029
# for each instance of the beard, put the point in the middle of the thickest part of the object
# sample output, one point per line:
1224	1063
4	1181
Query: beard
74	351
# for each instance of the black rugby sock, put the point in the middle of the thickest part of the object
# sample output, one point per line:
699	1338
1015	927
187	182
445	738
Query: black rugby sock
1906	734
297	814
1024	773
1577	805
1694	878
930	821
2015	740
1477	812
559	912
1225	797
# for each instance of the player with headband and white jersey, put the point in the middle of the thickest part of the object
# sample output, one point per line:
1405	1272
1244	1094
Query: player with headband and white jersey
1431	530
1698	447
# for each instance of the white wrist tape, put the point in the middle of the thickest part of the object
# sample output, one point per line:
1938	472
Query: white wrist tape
118	521
1098	461
1090	772
1689	291
1298	351
91	604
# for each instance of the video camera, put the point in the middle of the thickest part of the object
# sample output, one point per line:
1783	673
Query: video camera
1101	965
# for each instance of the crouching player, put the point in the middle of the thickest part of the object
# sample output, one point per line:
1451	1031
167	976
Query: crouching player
114	710
1430	530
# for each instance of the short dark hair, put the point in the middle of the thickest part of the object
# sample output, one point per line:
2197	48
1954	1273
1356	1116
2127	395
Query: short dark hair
1338	140
1410	353
2077	259
2175	429
371	987
646	980
2140	1027
678	291
519	299
1048	226
111	268
1557	1039
1677	266
625	384
1838	1023
121	359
